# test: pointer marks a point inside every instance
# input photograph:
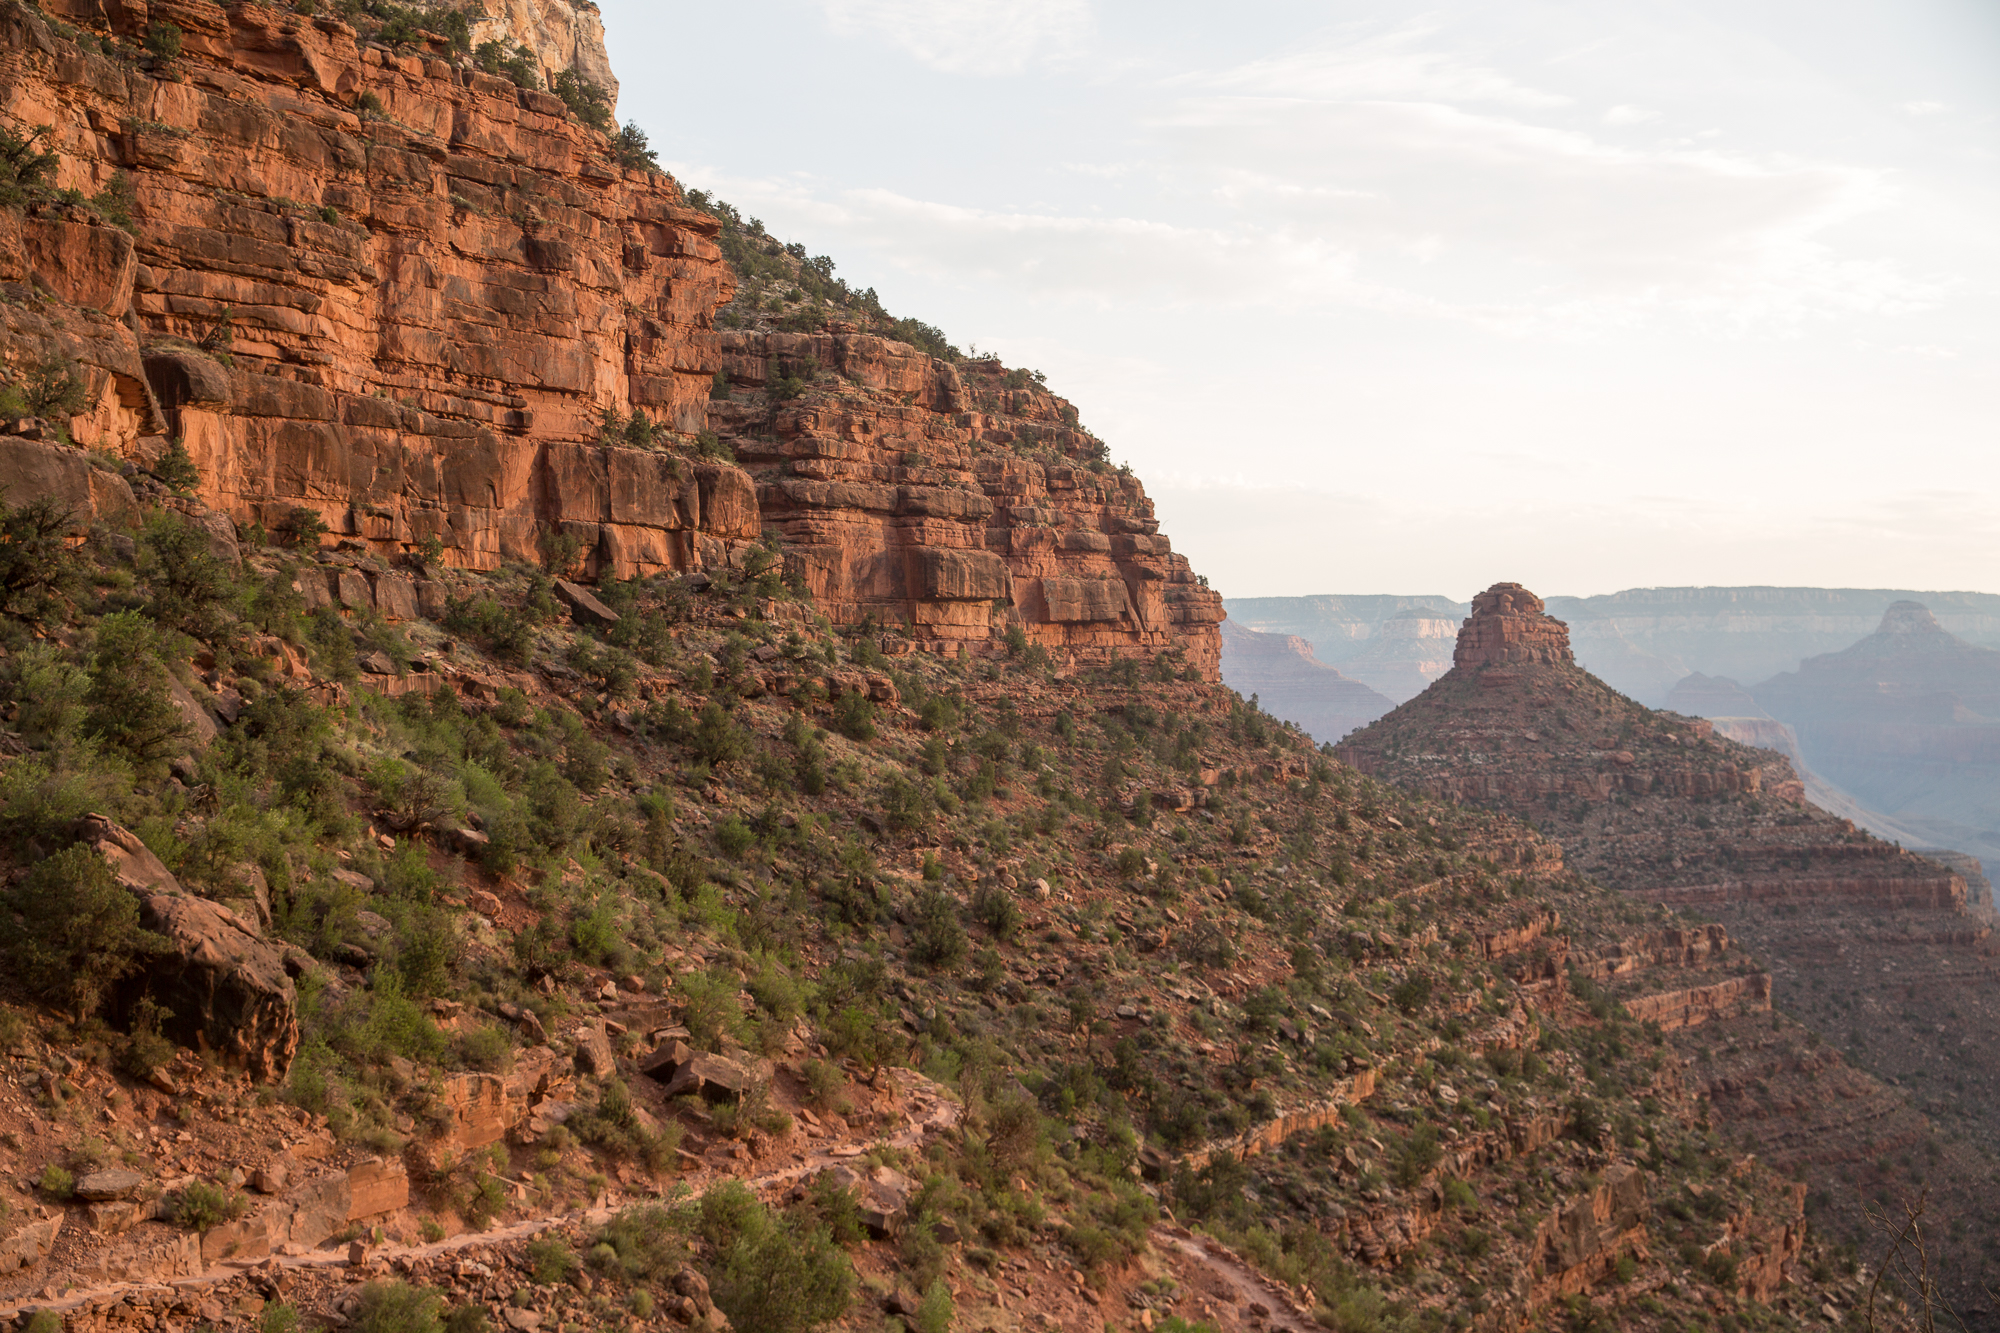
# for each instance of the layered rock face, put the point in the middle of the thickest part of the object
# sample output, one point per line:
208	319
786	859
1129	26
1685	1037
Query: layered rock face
1289	682
563	34
914	491
1662	806
382	288
1508	628
407	323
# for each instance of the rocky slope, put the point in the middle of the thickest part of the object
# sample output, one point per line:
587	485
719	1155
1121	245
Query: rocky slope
1281	672
1662	807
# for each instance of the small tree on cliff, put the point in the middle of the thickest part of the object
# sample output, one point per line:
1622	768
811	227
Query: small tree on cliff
77	930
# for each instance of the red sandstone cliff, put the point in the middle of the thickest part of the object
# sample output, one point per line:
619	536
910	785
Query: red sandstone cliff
380	286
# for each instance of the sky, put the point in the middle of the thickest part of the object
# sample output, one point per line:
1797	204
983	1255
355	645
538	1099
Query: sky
1416	298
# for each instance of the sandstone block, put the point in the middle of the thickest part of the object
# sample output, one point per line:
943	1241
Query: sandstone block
584	608
375	1188
113	1183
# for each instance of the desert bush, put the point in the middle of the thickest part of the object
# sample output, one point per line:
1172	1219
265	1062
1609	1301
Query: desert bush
550	1261
397	1307
74	930
937	939
644	1244
39	574
780	1273
204	1205
129	706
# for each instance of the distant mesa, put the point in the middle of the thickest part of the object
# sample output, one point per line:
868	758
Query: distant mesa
1905	721
1291	683
1712	696
1395	645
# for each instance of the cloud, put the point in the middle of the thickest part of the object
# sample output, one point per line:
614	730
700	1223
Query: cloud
969	36
1517	222
1392	64
1922	108
1629	115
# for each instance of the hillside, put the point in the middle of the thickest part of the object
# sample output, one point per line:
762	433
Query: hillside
1877	949
563	769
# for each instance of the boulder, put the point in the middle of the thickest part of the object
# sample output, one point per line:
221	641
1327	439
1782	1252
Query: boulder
225	986
712	1077
667	1061
25	1241
111	1183
883	1196
594	1055
584	608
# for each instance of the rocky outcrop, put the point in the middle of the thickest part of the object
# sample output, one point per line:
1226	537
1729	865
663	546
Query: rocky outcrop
1579	1246
382	288
956	501
1695	1005
224	986
561	34
1289	682
1507	628
407	322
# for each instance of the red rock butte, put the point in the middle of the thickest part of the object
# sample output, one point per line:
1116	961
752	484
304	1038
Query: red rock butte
1508	627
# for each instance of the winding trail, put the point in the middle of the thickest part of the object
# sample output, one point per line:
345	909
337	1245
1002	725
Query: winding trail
932	1110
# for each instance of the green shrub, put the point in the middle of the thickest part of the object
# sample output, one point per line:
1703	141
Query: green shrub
39	573
163	40
192	590
43	1321
204	1205
176	469
774	1274
74	930
645	1244
397	1307
854	717
56	1182
936	1311
24	167
1412	994
282	1317
937	939
550	1261
129	705
733	837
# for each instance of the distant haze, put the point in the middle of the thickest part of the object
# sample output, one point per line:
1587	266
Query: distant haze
1586	295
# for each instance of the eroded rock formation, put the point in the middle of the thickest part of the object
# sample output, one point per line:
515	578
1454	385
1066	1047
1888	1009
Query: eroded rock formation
377	287
1663	807
562	34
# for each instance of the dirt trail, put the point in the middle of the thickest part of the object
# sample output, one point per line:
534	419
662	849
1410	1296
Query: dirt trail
1253	1289
931	1110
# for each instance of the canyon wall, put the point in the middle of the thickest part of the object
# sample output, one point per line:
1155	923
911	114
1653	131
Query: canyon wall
375	286
562	34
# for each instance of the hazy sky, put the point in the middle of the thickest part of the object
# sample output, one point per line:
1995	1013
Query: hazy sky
1385	297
